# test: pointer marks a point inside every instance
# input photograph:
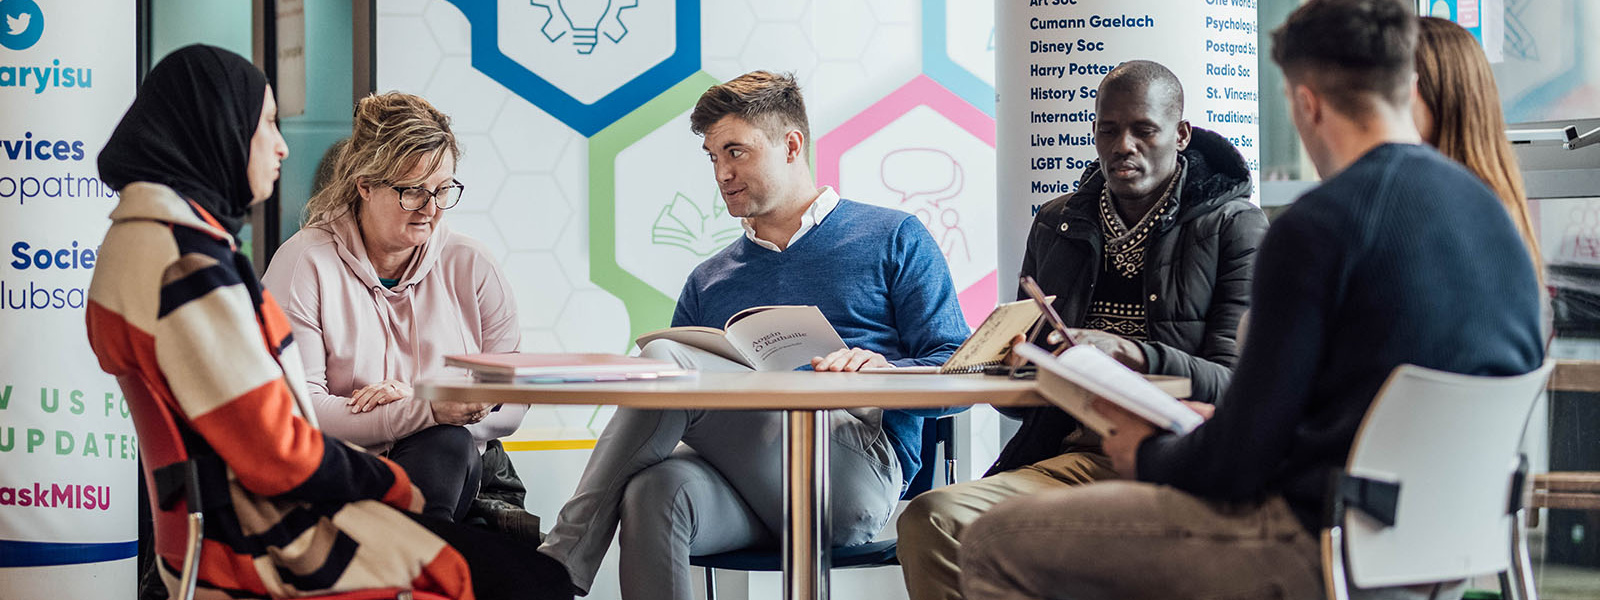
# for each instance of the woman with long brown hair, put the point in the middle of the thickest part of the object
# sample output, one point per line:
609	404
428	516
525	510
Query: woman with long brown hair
1457	110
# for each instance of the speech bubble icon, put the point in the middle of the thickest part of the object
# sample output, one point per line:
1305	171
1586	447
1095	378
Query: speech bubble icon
926	173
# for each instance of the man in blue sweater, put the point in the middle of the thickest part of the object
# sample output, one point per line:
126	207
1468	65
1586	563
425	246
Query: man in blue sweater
876	274
1399	257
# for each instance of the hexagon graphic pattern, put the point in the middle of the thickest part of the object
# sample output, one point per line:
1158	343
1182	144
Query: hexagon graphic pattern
595	249
653	206
526	174
846	54
925	151
531	212
480	227
415	49
958	48
586	62
481	171
863	54
540	289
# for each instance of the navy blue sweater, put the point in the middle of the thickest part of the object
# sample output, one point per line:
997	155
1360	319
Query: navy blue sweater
1403	258
875	273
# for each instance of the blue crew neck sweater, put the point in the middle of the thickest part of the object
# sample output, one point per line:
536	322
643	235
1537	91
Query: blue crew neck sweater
875	273
1404	257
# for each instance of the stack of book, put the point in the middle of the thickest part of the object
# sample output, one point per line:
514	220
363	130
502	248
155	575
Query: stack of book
516	367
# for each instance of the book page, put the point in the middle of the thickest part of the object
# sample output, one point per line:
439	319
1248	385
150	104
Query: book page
755	310
783	338
993	338
704	338
1103	376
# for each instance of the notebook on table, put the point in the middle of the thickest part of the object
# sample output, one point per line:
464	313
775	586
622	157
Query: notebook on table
558	368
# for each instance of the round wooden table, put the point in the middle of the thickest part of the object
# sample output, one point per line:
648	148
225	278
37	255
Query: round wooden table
804	397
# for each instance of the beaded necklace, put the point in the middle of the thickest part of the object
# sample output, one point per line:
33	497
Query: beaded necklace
1125	245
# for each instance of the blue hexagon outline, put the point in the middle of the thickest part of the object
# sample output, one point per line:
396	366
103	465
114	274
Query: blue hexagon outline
587	119
936	61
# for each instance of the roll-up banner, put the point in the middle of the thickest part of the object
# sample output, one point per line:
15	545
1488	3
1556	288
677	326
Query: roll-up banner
1484	19
68	455
1050	56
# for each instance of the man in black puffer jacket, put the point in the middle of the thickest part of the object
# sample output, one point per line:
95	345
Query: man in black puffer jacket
1150	260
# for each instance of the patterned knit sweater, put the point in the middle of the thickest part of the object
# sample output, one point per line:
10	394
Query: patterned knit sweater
174	306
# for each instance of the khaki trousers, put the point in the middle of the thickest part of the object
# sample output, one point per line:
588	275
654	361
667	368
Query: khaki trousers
932	525
1129	540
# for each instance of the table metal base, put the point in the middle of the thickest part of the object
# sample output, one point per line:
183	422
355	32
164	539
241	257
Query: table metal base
807	523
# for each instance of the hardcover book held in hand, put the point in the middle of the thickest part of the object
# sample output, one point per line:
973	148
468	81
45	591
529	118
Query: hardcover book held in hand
1064	379
561	368
764	338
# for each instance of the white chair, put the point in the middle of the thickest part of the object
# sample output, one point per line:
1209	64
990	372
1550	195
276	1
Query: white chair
1433	487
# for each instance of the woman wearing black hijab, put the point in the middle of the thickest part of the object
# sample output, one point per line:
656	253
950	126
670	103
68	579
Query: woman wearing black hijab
177	311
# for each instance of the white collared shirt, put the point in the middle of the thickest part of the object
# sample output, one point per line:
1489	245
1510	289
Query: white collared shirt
826	201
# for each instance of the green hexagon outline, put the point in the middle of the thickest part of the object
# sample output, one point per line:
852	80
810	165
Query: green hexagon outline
648	308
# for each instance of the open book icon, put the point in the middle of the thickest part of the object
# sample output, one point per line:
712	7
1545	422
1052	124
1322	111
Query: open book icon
684	224
1063	379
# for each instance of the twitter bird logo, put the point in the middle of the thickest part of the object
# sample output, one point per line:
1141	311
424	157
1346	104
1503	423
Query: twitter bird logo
18	24
24	24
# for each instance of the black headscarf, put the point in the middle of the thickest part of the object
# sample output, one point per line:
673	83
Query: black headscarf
189	129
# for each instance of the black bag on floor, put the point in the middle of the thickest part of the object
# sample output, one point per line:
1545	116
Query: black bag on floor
499	505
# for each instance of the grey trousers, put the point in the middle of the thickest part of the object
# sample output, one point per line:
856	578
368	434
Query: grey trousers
723	491
1127	540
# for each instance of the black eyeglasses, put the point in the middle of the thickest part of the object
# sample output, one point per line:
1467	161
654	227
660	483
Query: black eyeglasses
415	197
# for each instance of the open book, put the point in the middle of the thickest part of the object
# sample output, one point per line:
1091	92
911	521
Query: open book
1064	379
987	346
764	338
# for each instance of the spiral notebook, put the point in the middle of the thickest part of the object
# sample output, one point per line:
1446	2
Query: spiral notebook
987	346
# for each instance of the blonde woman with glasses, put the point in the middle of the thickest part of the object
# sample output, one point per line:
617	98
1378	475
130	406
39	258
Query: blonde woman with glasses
378	290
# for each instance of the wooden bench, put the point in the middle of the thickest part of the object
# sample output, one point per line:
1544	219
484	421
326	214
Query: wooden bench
1570	490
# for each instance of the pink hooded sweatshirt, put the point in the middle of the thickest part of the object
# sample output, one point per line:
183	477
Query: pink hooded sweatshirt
352	331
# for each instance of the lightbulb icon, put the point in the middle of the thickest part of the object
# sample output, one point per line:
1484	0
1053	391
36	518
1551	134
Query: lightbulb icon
586	20
584	17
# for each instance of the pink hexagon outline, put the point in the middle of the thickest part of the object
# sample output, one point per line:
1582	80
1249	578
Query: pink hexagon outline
979	298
